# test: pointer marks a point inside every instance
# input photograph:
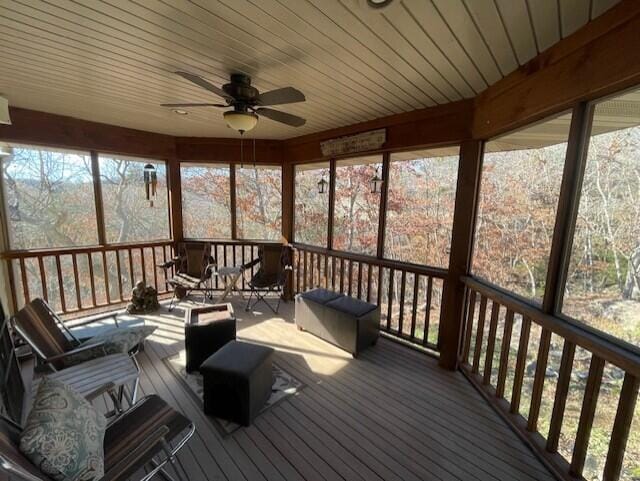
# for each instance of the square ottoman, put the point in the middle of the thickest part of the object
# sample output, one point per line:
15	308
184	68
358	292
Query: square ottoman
237	381
207	329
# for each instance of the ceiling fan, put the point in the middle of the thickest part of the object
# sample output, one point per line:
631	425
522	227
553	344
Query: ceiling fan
248	104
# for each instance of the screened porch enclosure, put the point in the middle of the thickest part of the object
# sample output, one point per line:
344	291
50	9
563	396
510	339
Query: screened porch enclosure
498	232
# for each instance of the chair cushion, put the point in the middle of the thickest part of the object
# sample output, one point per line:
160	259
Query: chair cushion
64	434
116	340
132	428
321	296
351	306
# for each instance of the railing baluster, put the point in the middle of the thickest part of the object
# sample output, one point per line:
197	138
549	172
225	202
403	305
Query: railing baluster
390	298
521	361
312	283
562	391
154	268
63	302
538	380
319	283
131	274
359	280
477	351
25	283
587	414
304	272
244	261
621	428
379	284
491	343
427	311
469	326
350	278
43	279
76	280
369	269
106	275
92	280
119	273
326	272
341	274
504	353
403	279
414	307
333	273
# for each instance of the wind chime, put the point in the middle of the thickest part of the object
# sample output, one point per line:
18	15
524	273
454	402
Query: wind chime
150	182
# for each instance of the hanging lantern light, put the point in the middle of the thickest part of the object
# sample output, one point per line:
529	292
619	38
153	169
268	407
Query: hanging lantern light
376	182
150	182
322	185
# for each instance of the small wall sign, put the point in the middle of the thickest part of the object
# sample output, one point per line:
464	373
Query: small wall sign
372	140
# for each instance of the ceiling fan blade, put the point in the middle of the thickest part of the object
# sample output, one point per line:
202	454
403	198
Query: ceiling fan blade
282	117
286	95
199	81
193	105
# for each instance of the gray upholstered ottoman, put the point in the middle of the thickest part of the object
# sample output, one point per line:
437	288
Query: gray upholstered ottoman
349	323
237	381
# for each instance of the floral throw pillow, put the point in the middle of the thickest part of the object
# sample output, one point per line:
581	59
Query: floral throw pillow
64	434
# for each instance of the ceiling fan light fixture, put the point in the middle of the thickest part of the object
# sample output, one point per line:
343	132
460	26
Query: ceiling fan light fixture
241	121
377	4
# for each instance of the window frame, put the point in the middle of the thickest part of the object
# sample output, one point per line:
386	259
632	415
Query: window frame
232	195
100	196
3	197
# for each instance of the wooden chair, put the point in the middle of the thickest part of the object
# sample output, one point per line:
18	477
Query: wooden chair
271	277
193	268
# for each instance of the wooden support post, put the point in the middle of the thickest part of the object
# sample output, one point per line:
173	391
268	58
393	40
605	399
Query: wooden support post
97	197
332	201
464	217
175	197
232	193
288	216
382	218
568	204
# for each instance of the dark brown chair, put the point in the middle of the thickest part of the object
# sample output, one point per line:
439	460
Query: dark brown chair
192	270
271	277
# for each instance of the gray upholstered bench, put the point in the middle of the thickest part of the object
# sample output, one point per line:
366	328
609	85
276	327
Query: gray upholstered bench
349	323
237	381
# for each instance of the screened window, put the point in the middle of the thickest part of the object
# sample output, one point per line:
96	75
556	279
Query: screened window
259	202
521	178
206	201
422	195
312	205
128	215
603	284
357	209
48	197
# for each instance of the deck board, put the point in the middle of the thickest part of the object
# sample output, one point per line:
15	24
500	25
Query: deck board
391	414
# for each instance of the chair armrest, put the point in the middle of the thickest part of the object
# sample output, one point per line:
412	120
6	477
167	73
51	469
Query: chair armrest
138	453
78	350
250	264
167	265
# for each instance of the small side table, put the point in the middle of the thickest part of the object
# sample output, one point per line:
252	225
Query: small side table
207	329
230	277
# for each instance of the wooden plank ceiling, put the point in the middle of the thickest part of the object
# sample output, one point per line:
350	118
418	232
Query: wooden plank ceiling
112	60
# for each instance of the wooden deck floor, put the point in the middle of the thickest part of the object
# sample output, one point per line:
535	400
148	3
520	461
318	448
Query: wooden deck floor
392	414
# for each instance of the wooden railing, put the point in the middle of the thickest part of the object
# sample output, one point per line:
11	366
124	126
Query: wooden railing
75	280
513	353
409	295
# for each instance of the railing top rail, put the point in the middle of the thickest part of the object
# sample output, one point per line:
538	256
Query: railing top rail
25	253
22	253
397	265
600	346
